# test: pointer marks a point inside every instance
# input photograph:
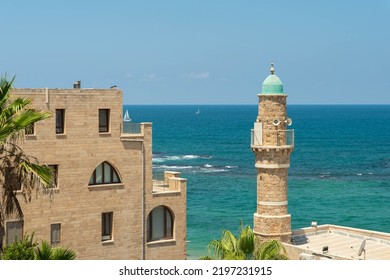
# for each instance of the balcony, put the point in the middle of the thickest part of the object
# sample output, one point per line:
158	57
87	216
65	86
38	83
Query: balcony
131	131
170	183
131	128
271	138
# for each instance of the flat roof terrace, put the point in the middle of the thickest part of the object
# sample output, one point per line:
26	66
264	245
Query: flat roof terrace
340	243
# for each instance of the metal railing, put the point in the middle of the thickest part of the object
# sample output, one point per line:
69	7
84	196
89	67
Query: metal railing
272	137
131	128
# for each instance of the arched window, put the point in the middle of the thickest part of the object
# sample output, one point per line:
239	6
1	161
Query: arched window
160	224
104	173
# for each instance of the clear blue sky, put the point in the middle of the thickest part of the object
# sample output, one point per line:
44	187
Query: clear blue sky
201	52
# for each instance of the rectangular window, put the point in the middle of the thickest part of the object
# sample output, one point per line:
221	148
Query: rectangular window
104	120
12	179
55	234
60	121
14	231
55	174
30	129
107	226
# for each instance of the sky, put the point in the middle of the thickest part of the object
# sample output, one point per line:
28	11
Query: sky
201	52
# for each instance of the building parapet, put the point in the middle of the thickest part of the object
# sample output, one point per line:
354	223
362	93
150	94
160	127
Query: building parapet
131	128
341	230
338	243
172	183
131	131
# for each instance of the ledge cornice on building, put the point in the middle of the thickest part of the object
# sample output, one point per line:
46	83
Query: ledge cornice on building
270	94
255	148
64	90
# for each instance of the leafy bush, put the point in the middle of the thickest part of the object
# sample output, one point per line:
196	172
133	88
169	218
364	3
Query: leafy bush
27	249
20	250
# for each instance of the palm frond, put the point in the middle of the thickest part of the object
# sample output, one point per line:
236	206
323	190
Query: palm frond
63	254
247	242
5	88
45	252
205	258
15	117
271	250
29	116
39	172
14	106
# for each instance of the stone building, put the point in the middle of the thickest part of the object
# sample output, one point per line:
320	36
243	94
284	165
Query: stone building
272	145
105	204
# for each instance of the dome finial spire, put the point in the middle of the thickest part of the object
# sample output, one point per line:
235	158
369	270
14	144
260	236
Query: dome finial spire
272	70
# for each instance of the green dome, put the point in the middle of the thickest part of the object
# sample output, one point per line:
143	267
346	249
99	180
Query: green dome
272	84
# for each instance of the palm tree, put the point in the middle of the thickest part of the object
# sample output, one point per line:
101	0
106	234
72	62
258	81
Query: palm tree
245	247
46	252
16	168
271	250
230	247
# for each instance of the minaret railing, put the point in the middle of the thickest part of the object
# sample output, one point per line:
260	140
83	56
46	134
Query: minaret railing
272	137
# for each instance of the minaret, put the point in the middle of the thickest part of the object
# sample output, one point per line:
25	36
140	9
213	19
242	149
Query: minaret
272	145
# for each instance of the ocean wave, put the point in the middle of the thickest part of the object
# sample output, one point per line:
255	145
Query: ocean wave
212	170
329	175
173	166
231	166
160	158
207	168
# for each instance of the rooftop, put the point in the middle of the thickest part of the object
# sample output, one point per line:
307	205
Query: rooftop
337	242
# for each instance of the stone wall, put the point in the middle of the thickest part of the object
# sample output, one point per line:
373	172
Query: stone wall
77	152
271	220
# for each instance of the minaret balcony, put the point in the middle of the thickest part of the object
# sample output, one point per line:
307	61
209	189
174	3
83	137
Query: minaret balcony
272	138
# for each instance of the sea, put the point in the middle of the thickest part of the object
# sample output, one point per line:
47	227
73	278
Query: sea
339	174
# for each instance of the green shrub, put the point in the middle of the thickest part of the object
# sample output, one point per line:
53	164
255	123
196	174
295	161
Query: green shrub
27	249
20	250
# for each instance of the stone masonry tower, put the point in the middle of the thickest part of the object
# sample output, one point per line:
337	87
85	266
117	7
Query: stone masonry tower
272	145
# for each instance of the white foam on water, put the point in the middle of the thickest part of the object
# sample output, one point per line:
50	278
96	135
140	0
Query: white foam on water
181	157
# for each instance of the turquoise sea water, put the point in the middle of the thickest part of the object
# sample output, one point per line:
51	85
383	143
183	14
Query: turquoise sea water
340	167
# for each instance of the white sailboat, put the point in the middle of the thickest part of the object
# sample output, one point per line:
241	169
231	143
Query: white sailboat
198	112
126	118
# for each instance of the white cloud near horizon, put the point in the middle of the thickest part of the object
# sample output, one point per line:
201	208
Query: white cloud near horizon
150	78
197	76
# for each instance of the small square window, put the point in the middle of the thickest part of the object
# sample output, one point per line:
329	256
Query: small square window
12	179
104	120
60	121
55	234
55	174
107	226
30	129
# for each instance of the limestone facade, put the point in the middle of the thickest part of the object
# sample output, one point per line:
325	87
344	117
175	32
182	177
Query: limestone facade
79	206
272	146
